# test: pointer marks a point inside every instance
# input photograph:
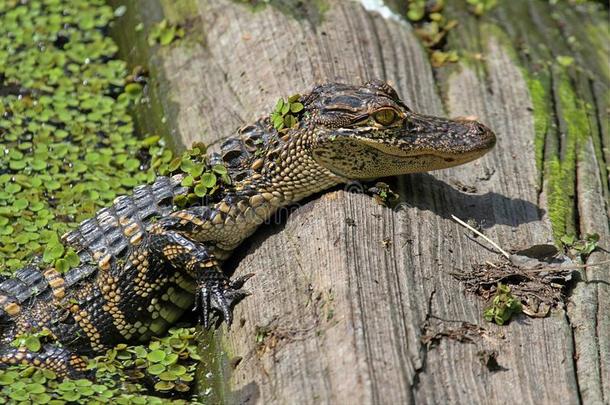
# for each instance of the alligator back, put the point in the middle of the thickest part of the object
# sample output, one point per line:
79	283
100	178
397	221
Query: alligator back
97	241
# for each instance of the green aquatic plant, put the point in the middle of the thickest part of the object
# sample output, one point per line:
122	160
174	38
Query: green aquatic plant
286	112
65	127
31	341
164	33
503	306
582	247
67	149
200	177
432	27
480	7
169	362
30	385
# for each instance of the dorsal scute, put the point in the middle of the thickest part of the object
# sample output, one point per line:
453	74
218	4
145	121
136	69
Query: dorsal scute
240	154
110	232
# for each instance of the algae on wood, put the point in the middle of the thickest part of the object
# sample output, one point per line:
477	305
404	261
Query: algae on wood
348	296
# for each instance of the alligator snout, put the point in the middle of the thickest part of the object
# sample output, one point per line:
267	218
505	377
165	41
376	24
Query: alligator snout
480	136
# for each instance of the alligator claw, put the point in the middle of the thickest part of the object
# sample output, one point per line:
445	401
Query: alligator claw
240	281
220	296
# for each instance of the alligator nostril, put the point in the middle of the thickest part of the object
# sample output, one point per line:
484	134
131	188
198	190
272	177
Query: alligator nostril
480	136
487	133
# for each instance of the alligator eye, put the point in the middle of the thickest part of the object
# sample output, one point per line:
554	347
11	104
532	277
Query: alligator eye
385	116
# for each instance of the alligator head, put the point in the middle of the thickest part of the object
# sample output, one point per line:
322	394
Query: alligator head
366	132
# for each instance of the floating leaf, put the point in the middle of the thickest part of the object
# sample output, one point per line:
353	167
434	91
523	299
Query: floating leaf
156	356
61	265
168	376
201	146
208	180
156	369
219	169
290	121
32	343
196	171
186	165
188	181
72	258
416	10
132	164
200	190
178	369
170	359
285	109
53	251
38	165
167	36
174	164
17	164
53	185
151	140
133	89
20	204
12	188
278	122
164	386
296	107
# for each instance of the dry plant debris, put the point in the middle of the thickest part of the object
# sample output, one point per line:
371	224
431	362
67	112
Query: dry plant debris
538	277
540	285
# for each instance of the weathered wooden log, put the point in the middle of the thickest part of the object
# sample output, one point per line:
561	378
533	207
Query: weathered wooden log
354	302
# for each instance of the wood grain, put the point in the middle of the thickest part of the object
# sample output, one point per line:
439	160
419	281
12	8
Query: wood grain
347	294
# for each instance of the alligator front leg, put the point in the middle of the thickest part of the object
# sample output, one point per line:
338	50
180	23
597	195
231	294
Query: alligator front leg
169	240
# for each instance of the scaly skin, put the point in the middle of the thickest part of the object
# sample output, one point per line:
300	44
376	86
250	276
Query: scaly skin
143	263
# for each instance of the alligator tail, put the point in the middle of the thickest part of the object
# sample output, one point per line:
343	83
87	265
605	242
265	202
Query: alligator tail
97	241
61	361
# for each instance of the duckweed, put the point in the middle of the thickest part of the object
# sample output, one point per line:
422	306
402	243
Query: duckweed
431	27
165	33
168	363
175	371
67	149
285	114
416	10
65	130
202	179
31	341
580	247
503	306
480	7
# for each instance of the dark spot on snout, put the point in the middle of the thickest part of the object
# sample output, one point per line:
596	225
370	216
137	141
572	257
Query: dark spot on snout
482	135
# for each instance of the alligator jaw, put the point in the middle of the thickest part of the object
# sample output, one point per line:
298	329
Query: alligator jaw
436	142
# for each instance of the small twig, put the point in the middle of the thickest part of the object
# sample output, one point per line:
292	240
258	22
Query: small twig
494	244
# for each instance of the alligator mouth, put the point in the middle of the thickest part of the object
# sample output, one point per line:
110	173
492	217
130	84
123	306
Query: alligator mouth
471	142
447	156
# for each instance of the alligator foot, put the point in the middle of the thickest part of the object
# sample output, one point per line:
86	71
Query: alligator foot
220	295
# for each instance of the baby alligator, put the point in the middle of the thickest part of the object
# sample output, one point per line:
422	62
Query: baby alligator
144	261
